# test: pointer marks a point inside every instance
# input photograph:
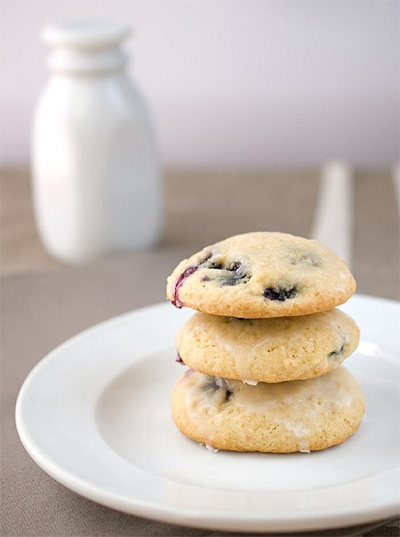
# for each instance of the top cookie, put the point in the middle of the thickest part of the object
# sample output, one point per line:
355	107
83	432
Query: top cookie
261	275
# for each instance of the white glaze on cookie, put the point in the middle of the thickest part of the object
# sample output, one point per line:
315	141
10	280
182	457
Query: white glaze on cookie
267	350
291	416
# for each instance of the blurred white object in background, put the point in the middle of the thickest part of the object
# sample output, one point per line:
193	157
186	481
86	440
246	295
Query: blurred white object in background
96	181
333	220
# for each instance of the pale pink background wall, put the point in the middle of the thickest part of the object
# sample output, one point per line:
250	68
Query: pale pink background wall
233	83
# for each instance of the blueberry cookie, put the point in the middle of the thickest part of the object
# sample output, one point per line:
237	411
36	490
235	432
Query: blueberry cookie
260	275
267	350
301	415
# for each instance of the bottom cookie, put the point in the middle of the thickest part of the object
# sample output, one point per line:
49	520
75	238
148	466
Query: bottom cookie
301	415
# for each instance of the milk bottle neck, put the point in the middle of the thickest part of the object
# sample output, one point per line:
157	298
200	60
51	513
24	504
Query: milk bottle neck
86	47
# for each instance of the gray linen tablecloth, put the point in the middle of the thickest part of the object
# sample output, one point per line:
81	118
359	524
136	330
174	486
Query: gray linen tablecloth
40	309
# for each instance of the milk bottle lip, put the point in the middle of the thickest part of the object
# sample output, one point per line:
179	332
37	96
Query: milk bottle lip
85	34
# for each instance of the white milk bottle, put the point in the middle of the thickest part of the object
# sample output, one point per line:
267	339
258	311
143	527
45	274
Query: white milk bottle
95	170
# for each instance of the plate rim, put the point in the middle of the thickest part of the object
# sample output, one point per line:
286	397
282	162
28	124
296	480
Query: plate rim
187	515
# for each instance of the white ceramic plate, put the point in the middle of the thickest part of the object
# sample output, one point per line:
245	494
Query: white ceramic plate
94	414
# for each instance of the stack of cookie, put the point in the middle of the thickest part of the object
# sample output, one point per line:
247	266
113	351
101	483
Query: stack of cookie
265	347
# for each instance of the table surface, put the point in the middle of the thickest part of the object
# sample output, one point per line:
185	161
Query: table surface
44	303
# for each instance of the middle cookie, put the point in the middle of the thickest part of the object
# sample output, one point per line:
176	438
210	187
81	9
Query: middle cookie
267	350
